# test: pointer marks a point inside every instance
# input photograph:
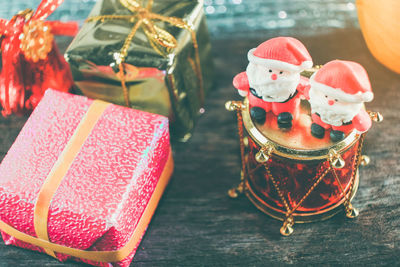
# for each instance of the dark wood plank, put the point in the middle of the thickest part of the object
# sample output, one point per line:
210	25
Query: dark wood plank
196	223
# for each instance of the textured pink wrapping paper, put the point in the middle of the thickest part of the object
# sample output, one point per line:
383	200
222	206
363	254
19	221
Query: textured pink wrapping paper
104	193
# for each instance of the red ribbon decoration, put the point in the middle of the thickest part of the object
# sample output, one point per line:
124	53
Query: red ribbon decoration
23	80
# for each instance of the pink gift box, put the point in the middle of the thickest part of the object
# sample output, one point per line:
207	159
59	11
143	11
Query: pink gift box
100	169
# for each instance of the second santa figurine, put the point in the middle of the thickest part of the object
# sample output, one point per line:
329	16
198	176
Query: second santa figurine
338	92
272	80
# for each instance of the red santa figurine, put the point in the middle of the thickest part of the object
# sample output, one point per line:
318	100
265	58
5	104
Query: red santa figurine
272	79
338	91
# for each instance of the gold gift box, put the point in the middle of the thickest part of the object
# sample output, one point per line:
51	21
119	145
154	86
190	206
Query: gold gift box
158	78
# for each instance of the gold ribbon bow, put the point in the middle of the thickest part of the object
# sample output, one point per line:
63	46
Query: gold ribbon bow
145	19
36	37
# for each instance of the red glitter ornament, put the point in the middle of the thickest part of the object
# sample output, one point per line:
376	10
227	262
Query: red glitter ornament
31	61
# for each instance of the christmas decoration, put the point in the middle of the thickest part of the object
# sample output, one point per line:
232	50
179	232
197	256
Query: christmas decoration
338	91
31	62
83	179
153	56
293	176
380	27
272	79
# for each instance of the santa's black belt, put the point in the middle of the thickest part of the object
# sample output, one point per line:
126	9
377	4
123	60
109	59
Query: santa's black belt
254	92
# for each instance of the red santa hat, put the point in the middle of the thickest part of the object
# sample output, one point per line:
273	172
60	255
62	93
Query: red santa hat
283	53
345	80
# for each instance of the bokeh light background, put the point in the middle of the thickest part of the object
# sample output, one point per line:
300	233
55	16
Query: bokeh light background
235	18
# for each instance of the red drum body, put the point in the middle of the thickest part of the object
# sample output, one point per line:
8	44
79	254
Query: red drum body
295	178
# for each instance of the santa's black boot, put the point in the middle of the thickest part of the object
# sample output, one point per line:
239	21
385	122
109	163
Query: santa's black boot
337	136
285	120
258	114
317	131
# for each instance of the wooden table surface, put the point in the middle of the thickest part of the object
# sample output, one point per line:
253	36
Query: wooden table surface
197	224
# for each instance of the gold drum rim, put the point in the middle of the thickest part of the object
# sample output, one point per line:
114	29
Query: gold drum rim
297	154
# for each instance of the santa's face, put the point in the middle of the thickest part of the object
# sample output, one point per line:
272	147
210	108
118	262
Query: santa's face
273	85
332	111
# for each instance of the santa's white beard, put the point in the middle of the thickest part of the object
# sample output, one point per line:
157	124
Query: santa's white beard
271	91
335	114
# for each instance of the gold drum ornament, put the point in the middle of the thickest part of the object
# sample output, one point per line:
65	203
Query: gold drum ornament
293	176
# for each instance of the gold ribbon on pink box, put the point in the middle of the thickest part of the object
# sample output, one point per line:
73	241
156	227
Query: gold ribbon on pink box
52	182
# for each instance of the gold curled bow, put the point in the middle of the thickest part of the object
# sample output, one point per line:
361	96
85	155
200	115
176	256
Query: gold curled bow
145	19
36	37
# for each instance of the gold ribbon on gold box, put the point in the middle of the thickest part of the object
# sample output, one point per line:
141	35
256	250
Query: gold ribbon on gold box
152	55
